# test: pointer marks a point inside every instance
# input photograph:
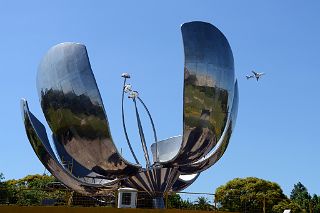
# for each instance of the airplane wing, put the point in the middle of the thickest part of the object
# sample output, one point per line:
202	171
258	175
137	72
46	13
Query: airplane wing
254	73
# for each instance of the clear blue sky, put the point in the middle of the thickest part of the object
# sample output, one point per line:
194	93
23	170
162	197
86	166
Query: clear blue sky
277	131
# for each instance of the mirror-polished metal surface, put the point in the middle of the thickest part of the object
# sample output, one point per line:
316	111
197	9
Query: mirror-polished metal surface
208	90
222	145
155	180
181	183
167	148
75	167
72	105
39	141
73	108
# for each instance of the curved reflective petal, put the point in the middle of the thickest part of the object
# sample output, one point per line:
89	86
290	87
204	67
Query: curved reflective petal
208	89
182	184
39	141
221	147
155	181
90	161
167	148
75	167
72	105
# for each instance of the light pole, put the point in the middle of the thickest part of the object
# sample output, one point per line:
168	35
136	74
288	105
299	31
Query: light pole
134	95
126	89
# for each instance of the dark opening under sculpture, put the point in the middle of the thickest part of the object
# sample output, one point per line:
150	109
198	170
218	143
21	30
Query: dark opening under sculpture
74	110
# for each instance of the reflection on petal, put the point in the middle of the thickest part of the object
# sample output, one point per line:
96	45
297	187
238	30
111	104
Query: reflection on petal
39	141
74	110
183	182
208	90
221	147
154	181
75	167
167	148
72	105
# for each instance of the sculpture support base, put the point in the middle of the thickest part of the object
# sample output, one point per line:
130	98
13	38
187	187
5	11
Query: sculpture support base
158	203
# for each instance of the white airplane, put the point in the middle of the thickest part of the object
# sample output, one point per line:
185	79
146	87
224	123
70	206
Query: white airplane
258	74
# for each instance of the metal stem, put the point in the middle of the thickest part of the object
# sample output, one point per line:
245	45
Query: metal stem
143	141
124	125
153	127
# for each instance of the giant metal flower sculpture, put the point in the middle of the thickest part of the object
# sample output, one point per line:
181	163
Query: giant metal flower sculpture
73	108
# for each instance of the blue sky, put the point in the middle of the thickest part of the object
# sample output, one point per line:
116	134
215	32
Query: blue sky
276	135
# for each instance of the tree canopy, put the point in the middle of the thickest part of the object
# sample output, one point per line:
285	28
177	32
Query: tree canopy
238	195
175	201
3	189
30	190
249	194
300	195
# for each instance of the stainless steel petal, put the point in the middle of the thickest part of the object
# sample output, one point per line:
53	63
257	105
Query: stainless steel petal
75	167
155	181
208	90
182	184
39	141
222	145
72	105
167	148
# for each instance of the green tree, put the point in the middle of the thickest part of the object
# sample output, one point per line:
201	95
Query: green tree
315	204
187	204
174	201
3	190
287	204
300	196
249	194
202	203
31	190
